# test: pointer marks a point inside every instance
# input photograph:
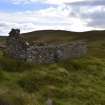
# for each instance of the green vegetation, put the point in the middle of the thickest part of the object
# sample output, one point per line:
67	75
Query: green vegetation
71	82
2	39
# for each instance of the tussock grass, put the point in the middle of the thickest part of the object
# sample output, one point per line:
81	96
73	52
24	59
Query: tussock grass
71	82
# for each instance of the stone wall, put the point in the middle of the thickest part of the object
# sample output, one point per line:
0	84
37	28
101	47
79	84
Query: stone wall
20	49
52	53
16	46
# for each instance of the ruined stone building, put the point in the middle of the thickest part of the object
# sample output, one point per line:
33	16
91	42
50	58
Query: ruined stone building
19	48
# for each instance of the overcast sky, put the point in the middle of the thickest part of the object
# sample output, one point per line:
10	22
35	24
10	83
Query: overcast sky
71	15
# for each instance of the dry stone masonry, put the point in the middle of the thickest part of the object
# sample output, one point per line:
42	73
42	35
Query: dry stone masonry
19	48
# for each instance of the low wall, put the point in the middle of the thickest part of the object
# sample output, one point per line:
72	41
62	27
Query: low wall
52	53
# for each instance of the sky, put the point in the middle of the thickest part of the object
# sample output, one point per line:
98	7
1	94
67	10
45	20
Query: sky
70	15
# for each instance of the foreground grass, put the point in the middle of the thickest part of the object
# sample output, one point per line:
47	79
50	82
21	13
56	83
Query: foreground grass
77	82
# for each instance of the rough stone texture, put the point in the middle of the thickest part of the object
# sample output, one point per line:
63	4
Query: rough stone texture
42	53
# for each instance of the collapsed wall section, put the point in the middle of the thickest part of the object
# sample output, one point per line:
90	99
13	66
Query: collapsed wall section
16	48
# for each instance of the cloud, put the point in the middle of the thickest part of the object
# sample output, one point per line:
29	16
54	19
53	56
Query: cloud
92	12
88	3
50	18
44	1
97	17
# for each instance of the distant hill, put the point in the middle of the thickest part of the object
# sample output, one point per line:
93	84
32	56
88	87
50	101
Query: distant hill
62	36
49	36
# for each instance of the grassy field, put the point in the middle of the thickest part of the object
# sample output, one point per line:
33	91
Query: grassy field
71	82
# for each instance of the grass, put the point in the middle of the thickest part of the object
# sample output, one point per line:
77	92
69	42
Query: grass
76	82
71	82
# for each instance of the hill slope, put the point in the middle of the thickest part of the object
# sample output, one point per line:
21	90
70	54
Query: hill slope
59	35
71	82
